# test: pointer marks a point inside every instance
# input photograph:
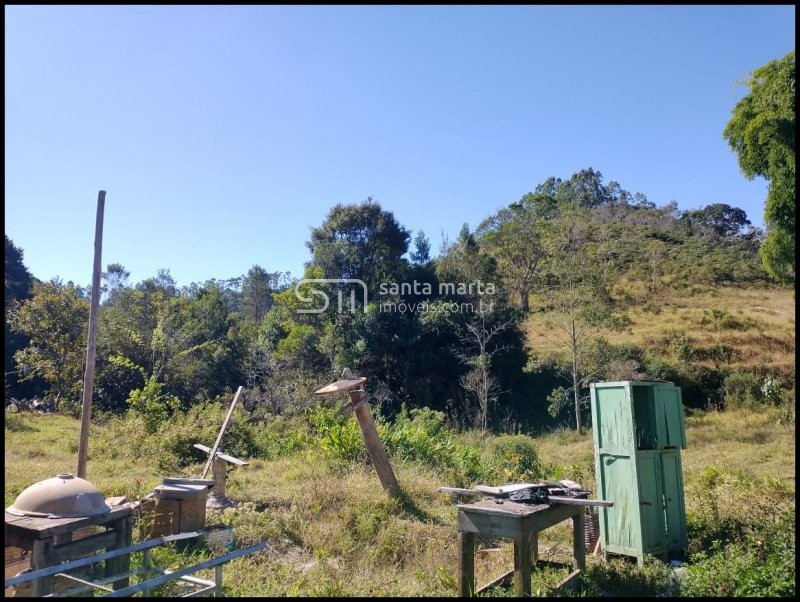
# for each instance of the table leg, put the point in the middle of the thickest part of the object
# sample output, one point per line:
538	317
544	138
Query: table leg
41	558
522	564
466	564
120	564
578	544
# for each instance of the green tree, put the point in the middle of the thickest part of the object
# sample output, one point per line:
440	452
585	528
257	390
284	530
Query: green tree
511	236
114	278
463	261
126	354
422	249
720	218
18	288
360	242
197	352
575	293
257	289
56	320
585	188
17	277
761	133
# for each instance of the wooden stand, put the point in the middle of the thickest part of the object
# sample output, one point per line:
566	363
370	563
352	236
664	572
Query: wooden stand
219	472
522	523
175	508
50	541
359	405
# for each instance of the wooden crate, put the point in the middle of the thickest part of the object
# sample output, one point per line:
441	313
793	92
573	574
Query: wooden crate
173	509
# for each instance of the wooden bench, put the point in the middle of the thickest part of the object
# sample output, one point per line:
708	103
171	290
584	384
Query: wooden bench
522	523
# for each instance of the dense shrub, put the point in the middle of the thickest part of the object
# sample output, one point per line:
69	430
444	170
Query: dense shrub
621	578
761	564
741	390
336	434
515	458
200	424
659	367
418	435
152	404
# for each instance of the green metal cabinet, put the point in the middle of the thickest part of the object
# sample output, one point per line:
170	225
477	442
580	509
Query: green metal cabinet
638	431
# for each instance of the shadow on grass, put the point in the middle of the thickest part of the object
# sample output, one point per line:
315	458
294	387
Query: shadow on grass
409	506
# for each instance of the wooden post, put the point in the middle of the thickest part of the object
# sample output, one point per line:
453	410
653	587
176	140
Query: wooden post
373	443
121	564
522	564
88	378
578	542
221	432
219	473
40	558
466	565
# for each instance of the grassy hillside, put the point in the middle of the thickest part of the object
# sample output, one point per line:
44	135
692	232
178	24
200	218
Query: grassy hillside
721	330
332	531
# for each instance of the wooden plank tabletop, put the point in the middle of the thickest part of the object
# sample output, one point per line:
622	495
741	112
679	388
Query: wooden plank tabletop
504	508
44	527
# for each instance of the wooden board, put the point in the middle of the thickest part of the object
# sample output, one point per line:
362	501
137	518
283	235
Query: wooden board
188	481
341	386
504	489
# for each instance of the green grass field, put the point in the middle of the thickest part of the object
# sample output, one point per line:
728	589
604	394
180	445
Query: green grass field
332	531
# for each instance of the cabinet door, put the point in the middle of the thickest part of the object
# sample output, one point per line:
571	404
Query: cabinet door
651	502
619	524
673	500
612	419
670	416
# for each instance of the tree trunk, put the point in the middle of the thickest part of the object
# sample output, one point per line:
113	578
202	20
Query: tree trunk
523	299
575	380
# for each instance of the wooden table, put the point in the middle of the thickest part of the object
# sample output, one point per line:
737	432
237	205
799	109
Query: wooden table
49	541
520	522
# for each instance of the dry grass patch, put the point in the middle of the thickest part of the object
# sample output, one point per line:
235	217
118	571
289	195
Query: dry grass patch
758	324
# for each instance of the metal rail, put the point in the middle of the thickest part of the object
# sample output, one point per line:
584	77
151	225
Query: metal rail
165	575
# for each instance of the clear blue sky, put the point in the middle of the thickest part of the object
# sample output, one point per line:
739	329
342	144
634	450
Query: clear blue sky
222	135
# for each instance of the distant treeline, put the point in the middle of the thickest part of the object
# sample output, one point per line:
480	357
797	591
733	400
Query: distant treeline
578	250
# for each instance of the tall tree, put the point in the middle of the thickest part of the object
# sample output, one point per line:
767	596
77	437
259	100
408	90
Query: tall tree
360	242
114	278
761	133
422	249
511	237
17	277
18	288
576	294
56	320
463	261
197	353
585	189
256	294
480	341
720	219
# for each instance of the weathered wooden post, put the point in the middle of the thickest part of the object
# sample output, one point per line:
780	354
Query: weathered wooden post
88	377
213	452
219	475
358	404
